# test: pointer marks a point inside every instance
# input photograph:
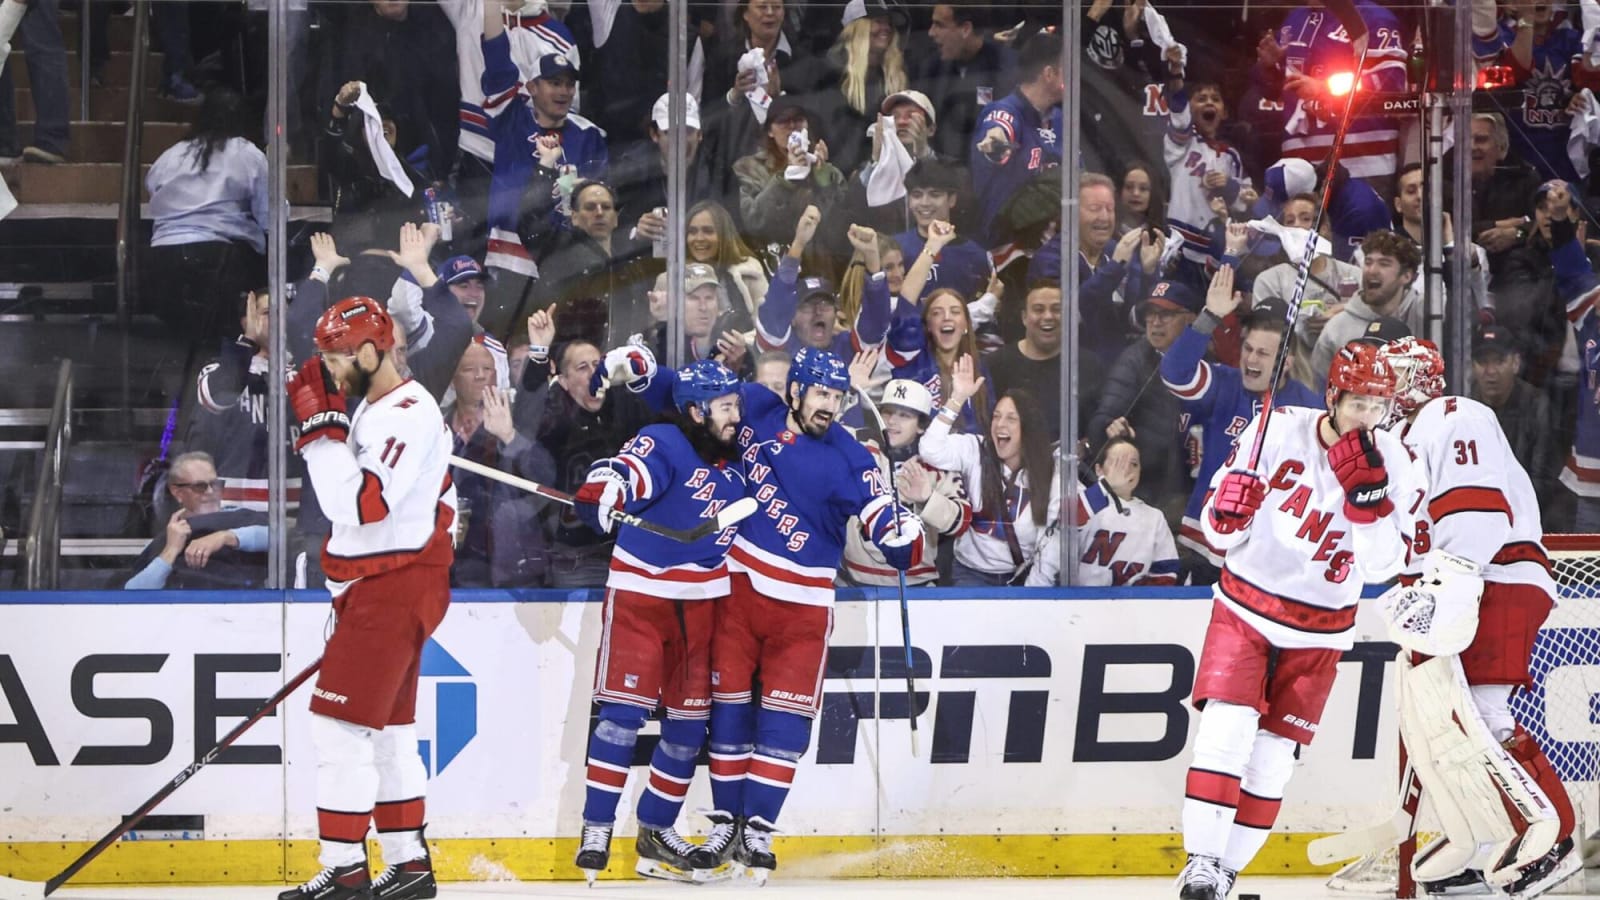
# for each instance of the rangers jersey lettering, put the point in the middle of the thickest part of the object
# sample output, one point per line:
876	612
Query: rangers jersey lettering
808	490
671	484
1119	546
1480	502
1295	572
387	490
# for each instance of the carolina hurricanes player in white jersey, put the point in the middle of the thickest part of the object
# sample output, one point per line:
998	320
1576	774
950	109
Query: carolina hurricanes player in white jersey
1480	507
1325	514
382	477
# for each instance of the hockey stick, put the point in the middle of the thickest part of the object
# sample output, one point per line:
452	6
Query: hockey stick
12	889
732	514
1304	271
905	608
1377	837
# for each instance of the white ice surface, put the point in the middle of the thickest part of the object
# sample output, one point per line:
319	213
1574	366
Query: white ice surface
933	889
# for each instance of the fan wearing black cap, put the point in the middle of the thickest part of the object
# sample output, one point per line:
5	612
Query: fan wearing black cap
1134	405
790	172
1222	399
1522	409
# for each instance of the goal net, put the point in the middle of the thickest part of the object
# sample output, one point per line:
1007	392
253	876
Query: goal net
1561	711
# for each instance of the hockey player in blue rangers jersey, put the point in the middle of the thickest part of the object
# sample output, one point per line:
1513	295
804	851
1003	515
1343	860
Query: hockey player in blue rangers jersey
1019	135
658	613
810	477
1221	399
515	125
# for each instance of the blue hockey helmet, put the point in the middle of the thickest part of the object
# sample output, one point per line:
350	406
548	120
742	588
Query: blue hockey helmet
701	382
819	367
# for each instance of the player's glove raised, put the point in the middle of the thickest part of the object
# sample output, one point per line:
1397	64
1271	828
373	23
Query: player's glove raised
318	405
901	540
1359	466
605	488
1235	503
629	364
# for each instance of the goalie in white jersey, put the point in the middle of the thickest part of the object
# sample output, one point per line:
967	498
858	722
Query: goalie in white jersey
1477	531
382	476
1325	514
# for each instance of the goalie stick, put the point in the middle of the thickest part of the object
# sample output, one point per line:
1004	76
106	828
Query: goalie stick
14	889
732	514
875	424
1374	838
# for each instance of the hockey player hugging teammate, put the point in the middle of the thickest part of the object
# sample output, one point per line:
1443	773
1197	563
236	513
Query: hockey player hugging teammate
656	646
810	477
1479	587
1325	512
382	477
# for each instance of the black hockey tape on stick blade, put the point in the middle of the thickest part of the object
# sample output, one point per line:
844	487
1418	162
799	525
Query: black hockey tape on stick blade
1249	897
12	889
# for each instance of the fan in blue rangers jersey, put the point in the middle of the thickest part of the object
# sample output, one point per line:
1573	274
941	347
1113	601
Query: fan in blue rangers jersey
1580	289
1314	43
810	476
657	641
516	125
802	312
1019	135
1221	399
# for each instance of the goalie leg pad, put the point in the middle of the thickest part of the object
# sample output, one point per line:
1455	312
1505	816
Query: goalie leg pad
1466	772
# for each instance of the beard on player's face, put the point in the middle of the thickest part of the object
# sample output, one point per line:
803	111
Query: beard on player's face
817	409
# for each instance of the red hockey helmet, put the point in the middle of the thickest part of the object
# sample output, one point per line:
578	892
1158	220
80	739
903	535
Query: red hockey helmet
354	321
1359	368
1419	372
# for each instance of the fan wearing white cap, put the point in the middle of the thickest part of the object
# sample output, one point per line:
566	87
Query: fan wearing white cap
865	65
640	175
934	495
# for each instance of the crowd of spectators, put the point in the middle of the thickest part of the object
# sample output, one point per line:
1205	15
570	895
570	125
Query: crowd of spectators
884	180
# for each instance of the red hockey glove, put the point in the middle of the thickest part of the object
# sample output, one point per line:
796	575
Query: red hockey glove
1359	466
318	405
1235	503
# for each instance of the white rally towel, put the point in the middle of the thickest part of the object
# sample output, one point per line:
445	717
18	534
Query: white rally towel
1293	240
887	181
382	154
1161	33
755	60
1584	134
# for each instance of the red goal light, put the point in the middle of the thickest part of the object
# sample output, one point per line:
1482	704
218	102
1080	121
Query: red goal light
1341	83
1492	77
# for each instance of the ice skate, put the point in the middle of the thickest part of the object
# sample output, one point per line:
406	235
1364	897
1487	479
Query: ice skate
664	854
1204	878
350	882
1562	862
594	851
754	850
1468	883
720	844
410	880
